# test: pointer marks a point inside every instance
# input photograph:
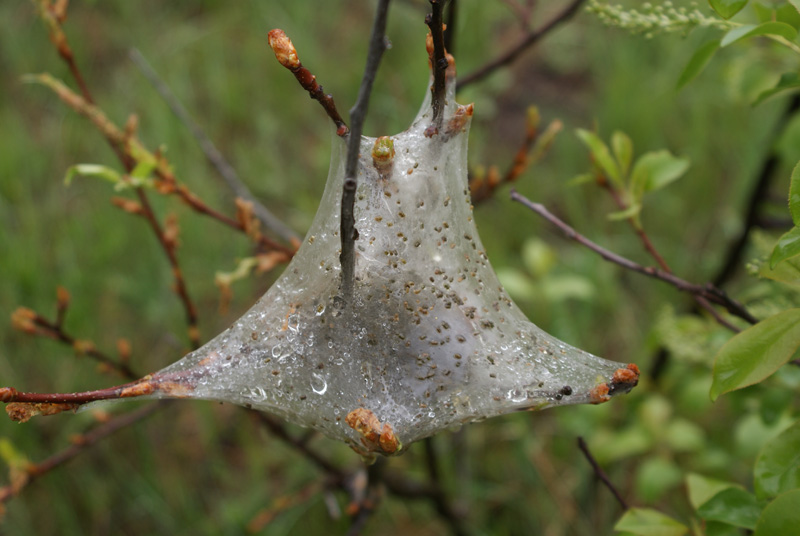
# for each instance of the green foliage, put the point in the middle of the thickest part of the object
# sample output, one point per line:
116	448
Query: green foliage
649	522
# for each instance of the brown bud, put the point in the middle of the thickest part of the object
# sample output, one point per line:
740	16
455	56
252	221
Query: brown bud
284	50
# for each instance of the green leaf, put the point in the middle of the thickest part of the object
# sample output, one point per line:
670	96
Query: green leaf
583	178
794	195
787	13
655	476
781	516
602	156
144	168
92	170
796	4
539	257
765	28
649	522
727	8
777	468
629	212
787	271
757	352
733	506
655	170
788	81
702	488
698	62
788	246
623	150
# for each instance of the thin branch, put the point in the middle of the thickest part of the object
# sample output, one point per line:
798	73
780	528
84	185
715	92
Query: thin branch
653	252
29	321
601	474
522	45
349	234
450	31
286	54
708	291
758	194
439	498
212	154
80	445
439	63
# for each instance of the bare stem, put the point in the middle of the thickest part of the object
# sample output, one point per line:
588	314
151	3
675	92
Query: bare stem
439	497
439	62
212	154
525	42
708	291
80	445
601	474
349	234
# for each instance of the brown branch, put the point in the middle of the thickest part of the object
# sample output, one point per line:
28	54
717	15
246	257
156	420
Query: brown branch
212	154
708	291
347	230
286	54
526	41
80	444
31	322
601	474
439	497
483	186
653	252
439	64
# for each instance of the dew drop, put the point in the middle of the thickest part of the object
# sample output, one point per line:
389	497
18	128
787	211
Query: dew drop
318	383
517	395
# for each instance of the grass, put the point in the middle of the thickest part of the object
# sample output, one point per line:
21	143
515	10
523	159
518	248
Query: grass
199	468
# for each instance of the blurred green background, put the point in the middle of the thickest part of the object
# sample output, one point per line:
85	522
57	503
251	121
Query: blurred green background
201	468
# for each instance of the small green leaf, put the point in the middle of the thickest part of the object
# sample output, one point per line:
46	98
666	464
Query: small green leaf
698	62
602	156
787	271
733	506
539	257
655	170
777	468
781	516
143	169
649	522
796	4
727	8
788	246
629	212
580	179
751	30
788	81
623	150
702	488
757	352
92	170
794	195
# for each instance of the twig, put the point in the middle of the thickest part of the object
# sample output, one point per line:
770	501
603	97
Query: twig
601	474
653	252
286	54
300	445
369	503
80	444
439	63
217	160
708	291
523	44
349	234
757	195
33	323
450	31
439	498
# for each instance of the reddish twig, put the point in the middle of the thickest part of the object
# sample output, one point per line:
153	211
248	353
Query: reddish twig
29	321
653	252
286	54
708	291
80	444
601	474
483	186
525	42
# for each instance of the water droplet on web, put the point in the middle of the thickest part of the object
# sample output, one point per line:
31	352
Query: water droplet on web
277	350
318	384
517	395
